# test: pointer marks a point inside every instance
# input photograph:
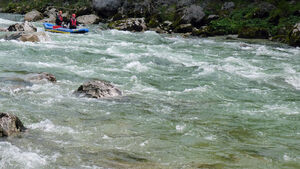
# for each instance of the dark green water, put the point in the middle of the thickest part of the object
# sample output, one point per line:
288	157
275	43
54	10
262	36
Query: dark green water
188	102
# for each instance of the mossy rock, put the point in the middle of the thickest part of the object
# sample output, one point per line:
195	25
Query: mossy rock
294	36
153	23
253	33
280	38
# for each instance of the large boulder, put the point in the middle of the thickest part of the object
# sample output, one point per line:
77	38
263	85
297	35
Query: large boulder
107	8
130	24
50	14
33	16
98	89
23	27
10	125
228	6
253	33
294	35
194	15
88	19
28	37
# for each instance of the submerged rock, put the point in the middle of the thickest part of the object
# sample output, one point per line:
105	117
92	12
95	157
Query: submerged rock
23	27
294	35
33	16
28	37
10	124
42	76
98	89
88	19
130	24
3	30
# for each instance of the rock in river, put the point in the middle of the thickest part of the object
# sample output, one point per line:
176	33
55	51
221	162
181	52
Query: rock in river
23	27
98	89
33	16
294	35
28	37
130	24
88	19
41	77
10	124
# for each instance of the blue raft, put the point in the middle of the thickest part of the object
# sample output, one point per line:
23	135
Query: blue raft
58	29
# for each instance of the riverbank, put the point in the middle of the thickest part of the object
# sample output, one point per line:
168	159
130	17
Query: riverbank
274	20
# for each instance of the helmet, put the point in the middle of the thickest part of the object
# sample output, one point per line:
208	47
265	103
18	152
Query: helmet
73	15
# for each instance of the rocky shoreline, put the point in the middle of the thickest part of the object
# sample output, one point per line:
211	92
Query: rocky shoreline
274	20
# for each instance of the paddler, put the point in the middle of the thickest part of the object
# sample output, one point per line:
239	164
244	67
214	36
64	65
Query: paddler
59	19
73	22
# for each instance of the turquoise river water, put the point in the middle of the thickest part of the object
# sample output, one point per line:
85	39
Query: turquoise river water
187	102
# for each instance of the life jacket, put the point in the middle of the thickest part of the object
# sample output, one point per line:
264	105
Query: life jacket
60	18
73	22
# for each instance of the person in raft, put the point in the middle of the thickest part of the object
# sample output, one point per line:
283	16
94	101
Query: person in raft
59	19
73	22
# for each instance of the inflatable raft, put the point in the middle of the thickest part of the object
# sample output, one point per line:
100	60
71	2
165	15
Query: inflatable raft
58	29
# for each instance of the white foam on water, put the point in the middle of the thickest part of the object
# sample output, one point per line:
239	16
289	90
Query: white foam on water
7	22
143	144
180	127
137	66
292	77
105	137
282	109
12	156
210	138
294	80
243	68
48	126
83	71
287	157
197	89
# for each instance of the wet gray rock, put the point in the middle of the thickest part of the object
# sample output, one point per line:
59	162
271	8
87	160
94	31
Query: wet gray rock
194	15
130	24
42	77
33	16
23	27
10	125
98	89
28	36
106	8
294	35
228	5
88	19
50	14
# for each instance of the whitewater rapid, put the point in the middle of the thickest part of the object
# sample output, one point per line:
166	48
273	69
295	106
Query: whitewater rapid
188	102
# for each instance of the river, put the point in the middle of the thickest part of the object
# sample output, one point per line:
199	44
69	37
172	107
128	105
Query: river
187	102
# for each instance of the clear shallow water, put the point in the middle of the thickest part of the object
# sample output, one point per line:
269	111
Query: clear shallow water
188	103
